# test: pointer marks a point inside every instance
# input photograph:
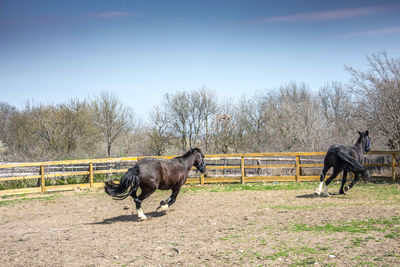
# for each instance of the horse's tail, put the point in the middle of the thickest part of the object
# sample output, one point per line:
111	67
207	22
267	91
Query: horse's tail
120	191
353	165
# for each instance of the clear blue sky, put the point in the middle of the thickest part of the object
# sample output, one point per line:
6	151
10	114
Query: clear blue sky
51	51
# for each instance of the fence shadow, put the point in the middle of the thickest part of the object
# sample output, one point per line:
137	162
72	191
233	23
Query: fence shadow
128	218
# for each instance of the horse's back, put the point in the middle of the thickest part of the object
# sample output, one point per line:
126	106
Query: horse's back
162	173
332	151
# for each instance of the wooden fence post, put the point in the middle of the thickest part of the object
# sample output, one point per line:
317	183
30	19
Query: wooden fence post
298	170
91	174
394	168
202	178
242	179
42	183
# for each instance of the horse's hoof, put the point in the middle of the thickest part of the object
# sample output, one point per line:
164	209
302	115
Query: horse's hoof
162	208
318	193
324	195
346	188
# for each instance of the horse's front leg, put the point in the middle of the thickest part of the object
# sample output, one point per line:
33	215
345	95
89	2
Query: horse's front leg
355	180
164	204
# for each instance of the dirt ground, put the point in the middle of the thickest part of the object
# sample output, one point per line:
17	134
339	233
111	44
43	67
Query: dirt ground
214	225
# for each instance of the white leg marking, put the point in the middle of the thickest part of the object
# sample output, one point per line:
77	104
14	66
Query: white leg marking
141	215
325	193
320	187
162	208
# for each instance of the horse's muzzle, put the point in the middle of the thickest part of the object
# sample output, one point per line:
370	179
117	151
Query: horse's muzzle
202	168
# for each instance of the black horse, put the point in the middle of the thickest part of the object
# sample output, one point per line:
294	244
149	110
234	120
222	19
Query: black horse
150	174
345	158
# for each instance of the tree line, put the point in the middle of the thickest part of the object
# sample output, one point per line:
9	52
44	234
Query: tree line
292	117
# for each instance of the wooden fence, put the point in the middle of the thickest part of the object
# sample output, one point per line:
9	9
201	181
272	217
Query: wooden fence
221	168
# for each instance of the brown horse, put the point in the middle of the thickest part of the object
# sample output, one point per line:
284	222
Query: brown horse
151	174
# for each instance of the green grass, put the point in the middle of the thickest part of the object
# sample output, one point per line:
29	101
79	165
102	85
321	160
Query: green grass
251	187
25	199
286	252
230	237
364	226
285	207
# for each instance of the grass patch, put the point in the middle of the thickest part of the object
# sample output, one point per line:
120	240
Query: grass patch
251	187
296	251
364	226
26	199
230	237
285	207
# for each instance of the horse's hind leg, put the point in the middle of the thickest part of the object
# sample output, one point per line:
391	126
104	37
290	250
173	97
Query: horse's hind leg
138	201
336	171
344	179
321	184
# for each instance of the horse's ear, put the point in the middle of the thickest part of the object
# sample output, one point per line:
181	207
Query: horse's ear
366	133
360	133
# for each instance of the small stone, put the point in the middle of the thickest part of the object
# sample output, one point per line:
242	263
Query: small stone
116	257
280	259
332	256
176	250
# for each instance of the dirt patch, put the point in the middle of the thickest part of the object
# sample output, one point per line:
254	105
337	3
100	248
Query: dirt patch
247	228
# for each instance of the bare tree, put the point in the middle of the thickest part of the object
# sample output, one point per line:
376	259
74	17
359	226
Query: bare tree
3	150
224	130
205	108
178	108
6	113
252	115
189	115
337	108
111	118
296	117
376	96
159	134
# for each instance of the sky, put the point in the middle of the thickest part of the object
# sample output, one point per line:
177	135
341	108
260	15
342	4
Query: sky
52	51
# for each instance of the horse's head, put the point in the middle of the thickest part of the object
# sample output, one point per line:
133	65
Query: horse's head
366	143
199	160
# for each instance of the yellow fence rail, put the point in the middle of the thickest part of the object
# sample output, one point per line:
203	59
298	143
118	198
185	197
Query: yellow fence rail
239	169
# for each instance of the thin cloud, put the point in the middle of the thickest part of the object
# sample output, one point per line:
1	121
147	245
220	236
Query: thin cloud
368	33
329	14
52	19
113	14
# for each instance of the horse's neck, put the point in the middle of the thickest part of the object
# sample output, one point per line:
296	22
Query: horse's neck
358	148
189	160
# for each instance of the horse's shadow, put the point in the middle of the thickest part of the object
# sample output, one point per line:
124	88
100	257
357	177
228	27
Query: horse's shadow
129	218
308	196
314	195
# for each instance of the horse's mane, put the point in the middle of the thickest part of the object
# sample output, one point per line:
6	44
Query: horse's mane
190	152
